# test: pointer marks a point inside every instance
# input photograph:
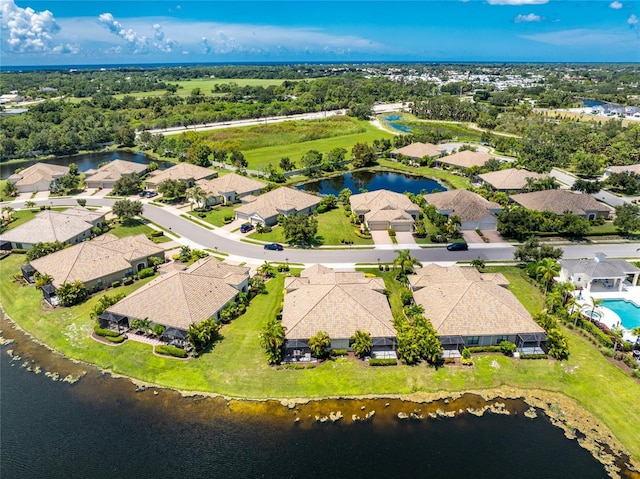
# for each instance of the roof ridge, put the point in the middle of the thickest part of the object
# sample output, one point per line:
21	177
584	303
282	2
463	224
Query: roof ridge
357	299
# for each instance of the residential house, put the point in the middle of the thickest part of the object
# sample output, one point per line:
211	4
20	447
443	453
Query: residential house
384	209
468	308
38	177
599	273
229	188
107	175
70	226
181	171
465	159
339	304
621	169
265	208
99	262
417	151
179	299
511	179
474	211
561	201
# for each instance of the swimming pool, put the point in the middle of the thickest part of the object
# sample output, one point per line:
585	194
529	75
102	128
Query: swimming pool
628	311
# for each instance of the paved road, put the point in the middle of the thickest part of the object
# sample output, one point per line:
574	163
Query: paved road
228	242
604	196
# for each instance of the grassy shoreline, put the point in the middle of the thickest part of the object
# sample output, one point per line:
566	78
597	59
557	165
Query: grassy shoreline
237	368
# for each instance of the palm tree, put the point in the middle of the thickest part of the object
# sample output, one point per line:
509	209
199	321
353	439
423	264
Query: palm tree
405	261
478	264
362	343
43	279
547	269
266	270
197	194
8	210
272	339
595	304
319	344
29	204
10	189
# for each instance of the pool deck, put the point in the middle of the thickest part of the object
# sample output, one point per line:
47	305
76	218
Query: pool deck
608	317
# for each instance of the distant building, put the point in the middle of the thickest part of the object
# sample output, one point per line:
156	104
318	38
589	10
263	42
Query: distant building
38	177
465	159
511	179
621	169
107	175
417	151
182	171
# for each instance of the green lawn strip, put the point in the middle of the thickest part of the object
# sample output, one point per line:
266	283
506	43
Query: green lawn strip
450	180
605	229
3	183
193	219
216	215
522	286
236	366
135	227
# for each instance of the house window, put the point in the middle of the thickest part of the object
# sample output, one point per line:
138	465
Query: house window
18	245
473	340
501	338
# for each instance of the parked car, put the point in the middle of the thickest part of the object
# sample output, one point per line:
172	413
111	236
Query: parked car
246	227
274	247
143	193
458	247
151	194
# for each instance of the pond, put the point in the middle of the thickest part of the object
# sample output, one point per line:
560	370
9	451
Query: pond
394	122
85	162
372	180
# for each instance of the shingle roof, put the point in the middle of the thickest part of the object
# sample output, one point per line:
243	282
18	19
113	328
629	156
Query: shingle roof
610	268
461	305
181	171
231	183
419	150
51	226
213	268
510	179
319	274
91	260
466	159
384	205
177	299
626	168
115	169
469	206
38	172
278	201
559	202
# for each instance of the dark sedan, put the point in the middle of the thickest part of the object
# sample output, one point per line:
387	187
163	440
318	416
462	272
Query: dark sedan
274	247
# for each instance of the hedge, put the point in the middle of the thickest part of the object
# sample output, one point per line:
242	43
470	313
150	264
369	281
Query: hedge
533	356
115	339
171	351
145	273
600	335
105	333
484	349
128	280
115	284
156	234
382	362
19	251
338	352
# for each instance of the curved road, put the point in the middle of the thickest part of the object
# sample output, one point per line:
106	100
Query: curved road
223	241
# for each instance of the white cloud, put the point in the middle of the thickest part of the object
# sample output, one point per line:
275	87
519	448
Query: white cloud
578	37
517	2
137	43
531	17
27	31
633	20
615	5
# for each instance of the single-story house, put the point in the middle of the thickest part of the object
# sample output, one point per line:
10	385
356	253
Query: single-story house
229	188
561	201
474	211
511	179
384	209
107	175
417	151
465	159
99	262
469	308
621	169
180	299
265	208
338	303
599	273
70	226
182	171
37	177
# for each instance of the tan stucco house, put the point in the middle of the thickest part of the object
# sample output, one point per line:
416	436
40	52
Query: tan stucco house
265	208
561	201
384	209
37	177
107	175
475	212
511	179
229	188
182	171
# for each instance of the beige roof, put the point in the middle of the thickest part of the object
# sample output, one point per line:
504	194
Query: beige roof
469	206
51	226
384	205
213	268
319	274
91	260
419	150
281	200
115	169
38	172
181	171
177	299
231	183
432	273
458	304
628	168
559	202
510	179
466	159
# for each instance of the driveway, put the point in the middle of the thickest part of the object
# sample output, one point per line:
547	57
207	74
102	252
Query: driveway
234	225
405	237
494	237
381	237
470	236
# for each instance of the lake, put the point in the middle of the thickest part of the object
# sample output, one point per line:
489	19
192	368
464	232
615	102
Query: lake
100	427
85	162
394	122
372	180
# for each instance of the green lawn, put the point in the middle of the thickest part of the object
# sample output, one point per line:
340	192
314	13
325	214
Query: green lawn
216	215
449	179
135	227
237	367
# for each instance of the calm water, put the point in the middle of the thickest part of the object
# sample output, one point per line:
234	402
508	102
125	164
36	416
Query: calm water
371	181
629	313
100	428
393	122
85	162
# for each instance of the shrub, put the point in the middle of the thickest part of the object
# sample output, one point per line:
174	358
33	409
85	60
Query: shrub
228	218
145	273
382	362
156	234
19	251
507	348
105	333
599	335
391	232
115	284
466	354
115	339
484	349
406	297
449	361
386	267
338	352
128	280
533	356
466	362
171	351
362	235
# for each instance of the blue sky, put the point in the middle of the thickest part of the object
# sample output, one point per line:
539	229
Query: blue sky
77	32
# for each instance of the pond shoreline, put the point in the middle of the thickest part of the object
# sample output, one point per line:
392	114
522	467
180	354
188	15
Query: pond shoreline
562	411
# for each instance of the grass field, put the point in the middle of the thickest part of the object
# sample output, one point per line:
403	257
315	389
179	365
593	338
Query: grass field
237	366
135	227
457	182
216	215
